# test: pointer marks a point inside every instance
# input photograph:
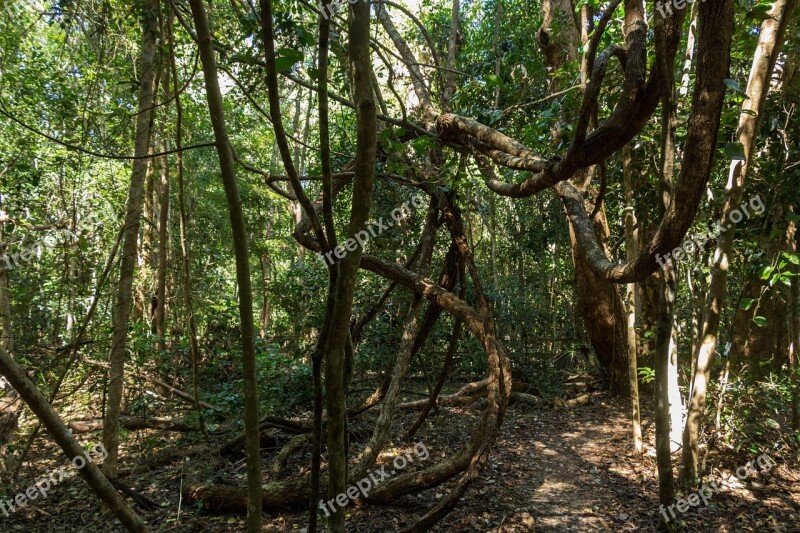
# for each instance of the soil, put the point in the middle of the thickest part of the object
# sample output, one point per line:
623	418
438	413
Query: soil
552	469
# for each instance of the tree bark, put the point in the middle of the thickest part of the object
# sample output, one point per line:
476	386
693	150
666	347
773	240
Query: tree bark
366	156
163	248
186	271
240	247
90	472
632	250
793	302
601	307
133	213
769	44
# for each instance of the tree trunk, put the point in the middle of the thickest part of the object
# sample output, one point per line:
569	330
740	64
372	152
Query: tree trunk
666	487
186	270
631	251
163	249
670	285
600	304
366	155
133	213
90	472
769	44
793	302
666	371
225	153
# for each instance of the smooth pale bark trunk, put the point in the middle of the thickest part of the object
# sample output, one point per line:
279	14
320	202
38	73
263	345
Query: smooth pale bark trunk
666	360
769	43
631	251
239	233
133	214
61	435
688	58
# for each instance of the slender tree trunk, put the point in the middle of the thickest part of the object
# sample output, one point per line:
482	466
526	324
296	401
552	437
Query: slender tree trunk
452	53
318	356
61	434
631	252
11	405
163	250
239	232
7	339
133	213
142	307
670	285
265	277
366	155
498	19
666	486
793	302
665	354
186	271
688	58
769	44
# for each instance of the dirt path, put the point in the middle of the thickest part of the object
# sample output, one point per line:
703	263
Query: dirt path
561	471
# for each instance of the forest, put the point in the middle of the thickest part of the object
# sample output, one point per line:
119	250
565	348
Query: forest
399	265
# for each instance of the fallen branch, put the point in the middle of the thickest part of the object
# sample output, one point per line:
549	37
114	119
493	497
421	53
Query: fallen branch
133	422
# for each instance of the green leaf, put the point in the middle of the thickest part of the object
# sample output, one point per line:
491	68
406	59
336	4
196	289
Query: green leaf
286	59
735	151
282	64
760	12
291	53
760	321
791	258
746	303
492	80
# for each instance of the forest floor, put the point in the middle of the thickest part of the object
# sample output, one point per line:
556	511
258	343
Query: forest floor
552	469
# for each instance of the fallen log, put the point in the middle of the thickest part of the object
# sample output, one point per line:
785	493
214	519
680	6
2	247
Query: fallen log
132	422
227	499
282	456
